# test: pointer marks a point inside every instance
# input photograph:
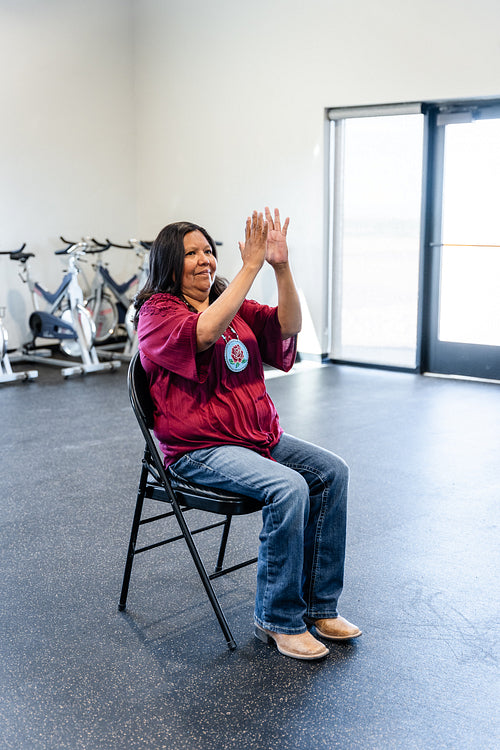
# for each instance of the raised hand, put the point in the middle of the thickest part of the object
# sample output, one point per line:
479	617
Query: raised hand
277	248
253	250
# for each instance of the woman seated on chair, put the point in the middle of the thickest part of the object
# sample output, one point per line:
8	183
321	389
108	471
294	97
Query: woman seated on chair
203	345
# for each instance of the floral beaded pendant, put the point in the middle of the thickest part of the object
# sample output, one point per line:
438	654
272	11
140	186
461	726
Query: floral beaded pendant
236	355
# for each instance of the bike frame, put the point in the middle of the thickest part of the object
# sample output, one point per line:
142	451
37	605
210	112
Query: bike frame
103	282
70	291
6	373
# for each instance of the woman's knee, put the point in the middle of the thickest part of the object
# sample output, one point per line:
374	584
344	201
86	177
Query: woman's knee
341	470
289	485
330	469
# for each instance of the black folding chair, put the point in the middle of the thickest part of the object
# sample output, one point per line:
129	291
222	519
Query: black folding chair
156	483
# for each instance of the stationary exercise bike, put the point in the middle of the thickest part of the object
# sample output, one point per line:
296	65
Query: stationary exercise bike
6	373
65	319
110	303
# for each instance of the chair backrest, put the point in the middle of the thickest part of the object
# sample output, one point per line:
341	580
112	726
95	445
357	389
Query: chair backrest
138	391
142	405
204	498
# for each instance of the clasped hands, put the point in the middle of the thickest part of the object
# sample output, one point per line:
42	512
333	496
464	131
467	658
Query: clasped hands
265	239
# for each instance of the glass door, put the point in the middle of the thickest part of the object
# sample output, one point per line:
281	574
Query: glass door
376	188
464	309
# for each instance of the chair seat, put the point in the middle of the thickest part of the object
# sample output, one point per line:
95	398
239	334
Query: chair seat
206	498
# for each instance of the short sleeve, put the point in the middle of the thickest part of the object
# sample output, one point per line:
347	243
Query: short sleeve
263	320
167	336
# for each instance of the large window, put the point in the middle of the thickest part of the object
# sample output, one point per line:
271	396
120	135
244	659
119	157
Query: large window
377	163
469	308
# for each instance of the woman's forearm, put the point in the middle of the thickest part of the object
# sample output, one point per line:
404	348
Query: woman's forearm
289	311
216	318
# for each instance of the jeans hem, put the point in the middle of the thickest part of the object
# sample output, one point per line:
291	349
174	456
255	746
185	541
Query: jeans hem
311	619
277	629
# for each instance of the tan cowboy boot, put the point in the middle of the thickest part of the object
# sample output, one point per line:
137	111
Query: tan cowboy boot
298	646
337	629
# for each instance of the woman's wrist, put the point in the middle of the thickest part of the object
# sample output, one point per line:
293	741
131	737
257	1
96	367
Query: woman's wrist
282	271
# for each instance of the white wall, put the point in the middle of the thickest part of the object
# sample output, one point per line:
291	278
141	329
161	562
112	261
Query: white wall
67	134
232	95
119	116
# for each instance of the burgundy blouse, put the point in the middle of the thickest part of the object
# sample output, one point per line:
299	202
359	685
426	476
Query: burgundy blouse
199	401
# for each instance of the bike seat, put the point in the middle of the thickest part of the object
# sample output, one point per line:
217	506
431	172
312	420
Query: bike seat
19	255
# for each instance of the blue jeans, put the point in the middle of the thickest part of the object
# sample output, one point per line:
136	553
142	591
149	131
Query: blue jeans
300	567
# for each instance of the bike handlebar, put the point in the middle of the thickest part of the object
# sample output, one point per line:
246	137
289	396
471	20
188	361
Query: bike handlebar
102	246
83	246
105	245
124	247
131	246
146	245
66	241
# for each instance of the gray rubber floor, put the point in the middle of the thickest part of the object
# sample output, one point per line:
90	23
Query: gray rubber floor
422	579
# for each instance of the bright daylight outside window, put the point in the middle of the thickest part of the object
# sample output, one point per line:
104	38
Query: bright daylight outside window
470	269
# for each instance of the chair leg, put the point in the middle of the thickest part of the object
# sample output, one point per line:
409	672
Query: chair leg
223	543
186	533
133	538
231	643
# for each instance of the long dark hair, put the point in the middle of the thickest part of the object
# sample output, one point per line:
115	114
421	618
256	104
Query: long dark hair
166	264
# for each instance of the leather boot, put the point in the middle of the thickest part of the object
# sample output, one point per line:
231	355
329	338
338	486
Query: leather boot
337	629
298	646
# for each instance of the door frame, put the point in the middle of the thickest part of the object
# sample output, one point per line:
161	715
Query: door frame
435	356
432	356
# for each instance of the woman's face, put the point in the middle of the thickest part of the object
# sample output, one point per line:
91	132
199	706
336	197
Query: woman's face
200	266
